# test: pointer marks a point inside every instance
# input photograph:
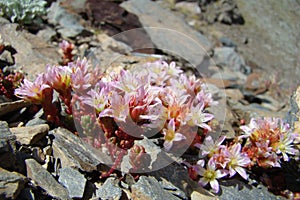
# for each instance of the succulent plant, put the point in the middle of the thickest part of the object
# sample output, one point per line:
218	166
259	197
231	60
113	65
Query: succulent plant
23	11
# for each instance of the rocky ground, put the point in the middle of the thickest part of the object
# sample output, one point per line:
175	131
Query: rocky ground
249	58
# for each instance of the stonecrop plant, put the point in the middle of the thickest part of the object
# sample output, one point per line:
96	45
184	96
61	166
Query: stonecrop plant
156	100
265	143
114	110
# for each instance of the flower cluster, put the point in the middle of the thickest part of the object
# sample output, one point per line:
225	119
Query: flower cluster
62	79
269	140
9	82
223	160
157	99
266	141
116	109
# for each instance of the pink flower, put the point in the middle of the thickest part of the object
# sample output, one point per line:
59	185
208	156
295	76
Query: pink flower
236	160
119	107
197	117
210	175
59	77
65	45
171	135
97	98
130	81
34	92
209	147
285	146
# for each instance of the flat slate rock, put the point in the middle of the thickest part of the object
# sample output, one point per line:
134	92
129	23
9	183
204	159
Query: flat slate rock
45	180
68	23
11	184
33	54
148	188
7	147
109	190
235	190
74	152
170	33
73	180
31	134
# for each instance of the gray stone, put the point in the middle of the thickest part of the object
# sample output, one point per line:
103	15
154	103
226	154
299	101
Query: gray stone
227	57
188	7
235	190
30	135
45	180
149	188
68	24
38	155
73	180
168	186
109	190
7	58
7	147
11	184
293	113
33	54
47	34
35	121
3	21
227	42
270	22
74	152
178	176
7	107
169	32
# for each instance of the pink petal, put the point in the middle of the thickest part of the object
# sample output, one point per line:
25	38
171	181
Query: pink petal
214	185
242	172
179	137
203	182
168	145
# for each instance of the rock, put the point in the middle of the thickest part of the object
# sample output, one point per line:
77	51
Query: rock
7	147
8	107
236	190
35	121
33	54
220	83
270	103
6	59
178	176
266	23
196	196
170	33
68	24
109	190
3	21
227	42
45	180
234	94
38	155
11	184
47	34
30	135
73	181
148	188
292	117
256	83
73	152
253	110
114	19
168	186
191	8
227	57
